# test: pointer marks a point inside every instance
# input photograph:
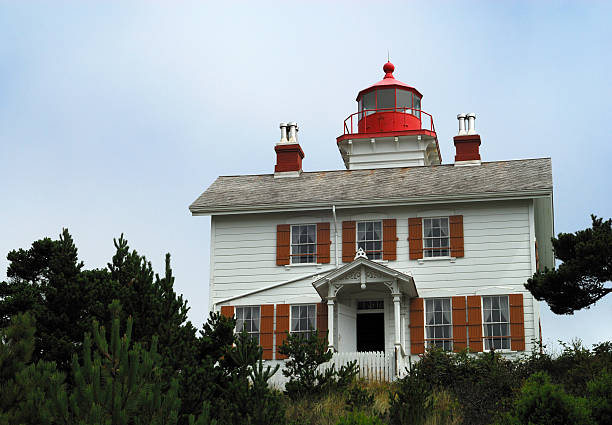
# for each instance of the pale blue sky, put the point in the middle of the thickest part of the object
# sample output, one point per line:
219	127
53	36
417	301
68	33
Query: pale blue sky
115	116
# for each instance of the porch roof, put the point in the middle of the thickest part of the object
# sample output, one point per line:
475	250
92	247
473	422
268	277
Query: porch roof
365	271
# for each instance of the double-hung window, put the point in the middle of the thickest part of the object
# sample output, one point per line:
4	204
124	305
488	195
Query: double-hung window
303	243
438	323
436	241
303	319
496	318
247	318
369	238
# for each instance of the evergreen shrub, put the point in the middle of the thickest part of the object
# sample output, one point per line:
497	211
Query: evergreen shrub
306	354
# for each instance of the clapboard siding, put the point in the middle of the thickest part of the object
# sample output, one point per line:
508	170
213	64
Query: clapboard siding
497	246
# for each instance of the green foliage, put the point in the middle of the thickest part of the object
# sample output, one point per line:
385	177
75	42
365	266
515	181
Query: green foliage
29	393
409	402
306	354
483	384
245	396
599	395
47	277
119	382
203	379
444	409
359	418
542	402
580	280
359	398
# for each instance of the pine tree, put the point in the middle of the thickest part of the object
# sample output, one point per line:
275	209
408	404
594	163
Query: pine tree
119	383
44	280
29	393
580	281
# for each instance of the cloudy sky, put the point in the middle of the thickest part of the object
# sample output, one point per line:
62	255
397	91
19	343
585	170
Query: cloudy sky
115	116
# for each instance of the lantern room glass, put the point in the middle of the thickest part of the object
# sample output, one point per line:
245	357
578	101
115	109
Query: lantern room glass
388	99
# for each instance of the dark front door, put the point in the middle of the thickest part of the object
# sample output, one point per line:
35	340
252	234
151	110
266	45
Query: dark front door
371	332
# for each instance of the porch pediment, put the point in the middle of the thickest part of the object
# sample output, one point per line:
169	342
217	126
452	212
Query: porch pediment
363	272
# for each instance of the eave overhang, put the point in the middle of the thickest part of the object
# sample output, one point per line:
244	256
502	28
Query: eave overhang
391	202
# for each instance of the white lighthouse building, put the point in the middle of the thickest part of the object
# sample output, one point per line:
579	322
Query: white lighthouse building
399	252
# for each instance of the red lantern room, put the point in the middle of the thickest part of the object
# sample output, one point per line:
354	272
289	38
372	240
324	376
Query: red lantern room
389	109
389	105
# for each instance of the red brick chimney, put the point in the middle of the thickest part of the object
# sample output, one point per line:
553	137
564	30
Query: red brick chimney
289	154
467	142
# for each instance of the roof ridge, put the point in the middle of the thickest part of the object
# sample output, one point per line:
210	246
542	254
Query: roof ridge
390	168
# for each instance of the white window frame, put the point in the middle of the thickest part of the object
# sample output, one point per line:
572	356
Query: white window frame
253	334
432	342
291	245
306	332
504	338
432	249
357	241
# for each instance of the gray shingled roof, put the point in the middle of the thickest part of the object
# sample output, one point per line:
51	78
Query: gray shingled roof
253	193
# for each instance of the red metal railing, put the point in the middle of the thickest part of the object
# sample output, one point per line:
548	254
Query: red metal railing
395	119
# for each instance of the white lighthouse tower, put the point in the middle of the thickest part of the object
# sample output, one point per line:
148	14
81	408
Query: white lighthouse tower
390	129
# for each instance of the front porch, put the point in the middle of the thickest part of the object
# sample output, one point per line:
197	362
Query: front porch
368	310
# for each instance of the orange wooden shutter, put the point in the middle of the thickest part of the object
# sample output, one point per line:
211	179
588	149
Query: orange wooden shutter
417	326
456	235
459	324
322	320
323	243
517	322
227	310
348	241
266	331
283	244
389	239
474	323
282	327
415	238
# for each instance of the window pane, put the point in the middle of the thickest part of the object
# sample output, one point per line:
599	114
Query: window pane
404	99
429	317
437	305
303	242
446	304
495	302
385	98
486	302
430	332
369	101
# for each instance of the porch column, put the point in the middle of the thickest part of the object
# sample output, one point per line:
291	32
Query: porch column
396	311
330	323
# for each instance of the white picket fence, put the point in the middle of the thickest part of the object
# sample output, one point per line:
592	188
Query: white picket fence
373	366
